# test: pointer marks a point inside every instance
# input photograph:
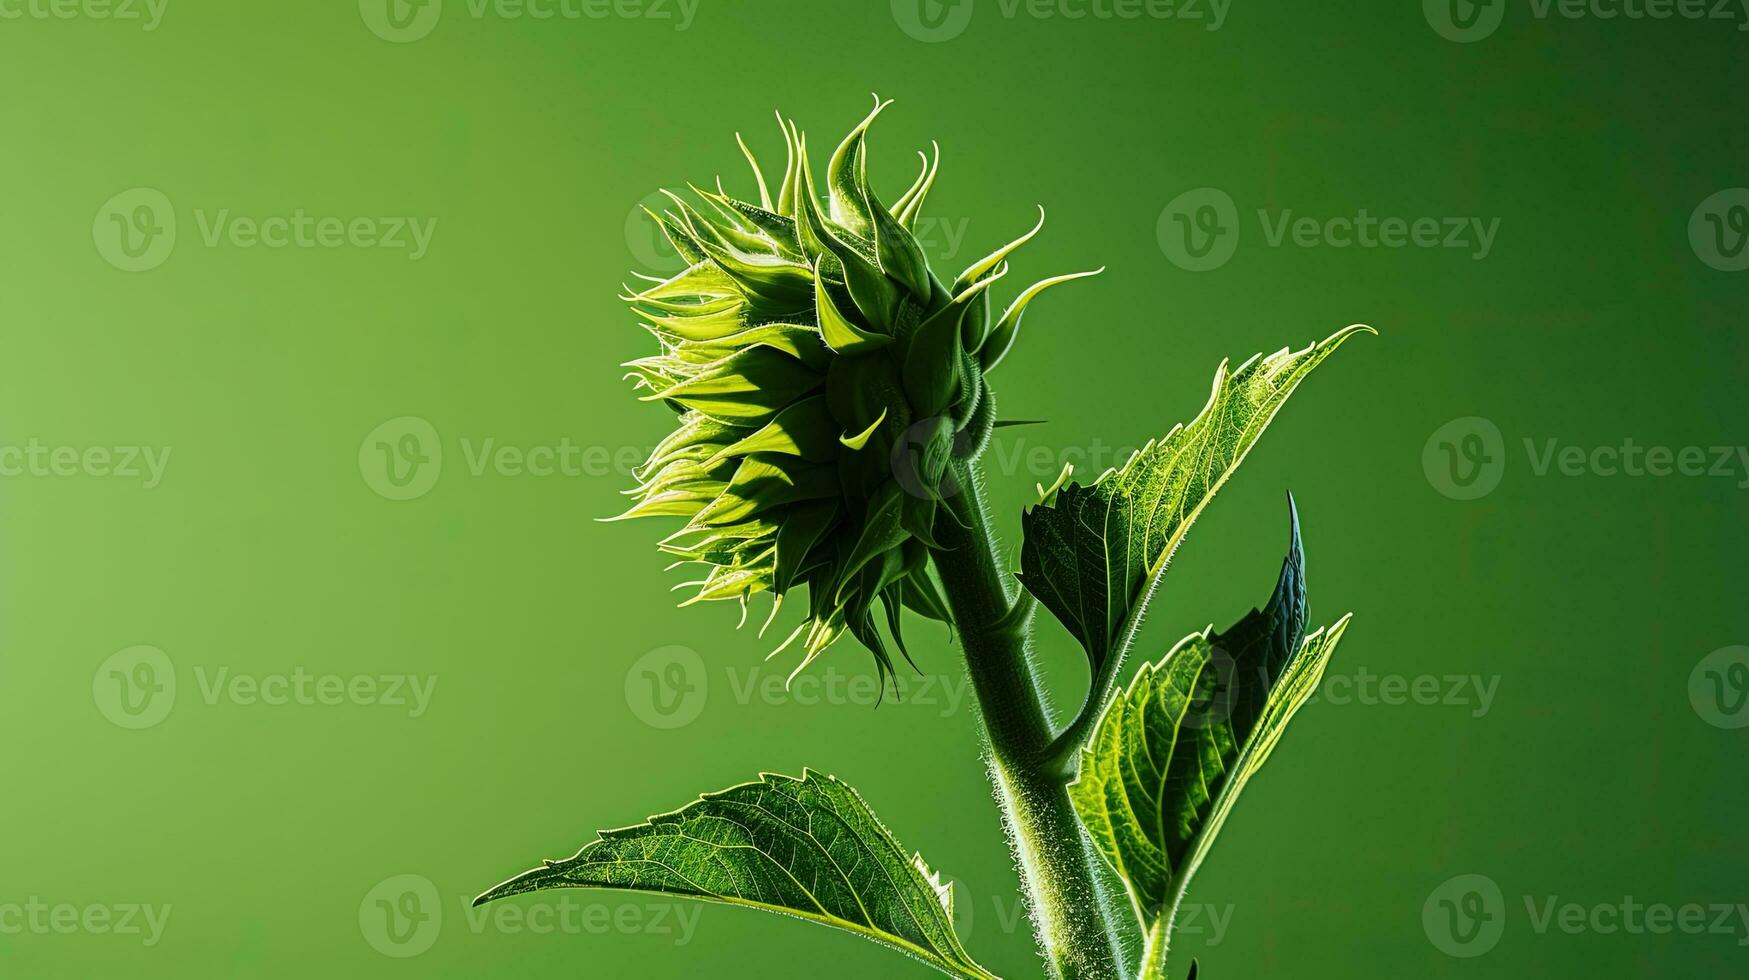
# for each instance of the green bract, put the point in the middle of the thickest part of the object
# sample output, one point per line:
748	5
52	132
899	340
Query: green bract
825	378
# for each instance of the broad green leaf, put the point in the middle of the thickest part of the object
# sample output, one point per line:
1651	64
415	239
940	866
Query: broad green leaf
1094	554
1172	753
806	847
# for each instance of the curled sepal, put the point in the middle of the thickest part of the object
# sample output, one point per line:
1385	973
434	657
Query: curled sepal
803	429
933	366
901	257
910	207
758	174
984	266
745	388
1001	338
847	178
836	328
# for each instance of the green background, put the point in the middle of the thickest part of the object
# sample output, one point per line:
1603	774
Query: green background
1585	600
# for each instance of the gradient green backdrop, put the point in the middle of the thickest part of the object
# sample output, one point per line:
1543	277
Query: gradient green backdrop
1585	602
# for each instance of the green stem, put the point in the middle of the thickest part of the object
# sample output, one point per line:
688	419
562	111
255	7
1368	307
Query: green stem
1154	950
1071	917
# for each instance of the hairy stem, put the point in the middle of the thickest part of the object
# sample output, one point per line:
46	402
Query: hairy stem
1061	755
1071	916
1154	950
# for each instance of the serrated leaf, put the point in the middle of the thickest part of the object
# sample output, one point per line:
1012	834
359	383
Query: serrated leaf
1172	753
1094	554
807	847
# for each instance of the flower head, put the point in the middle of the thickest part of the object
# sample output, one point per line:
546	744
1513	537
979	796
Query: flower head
825	379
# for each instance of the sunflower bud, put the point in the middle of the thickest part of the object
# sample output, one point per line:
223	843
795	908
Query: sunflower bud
826	380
